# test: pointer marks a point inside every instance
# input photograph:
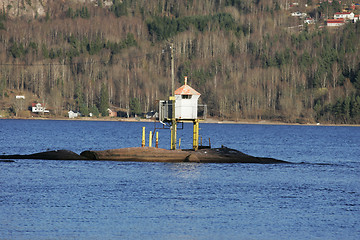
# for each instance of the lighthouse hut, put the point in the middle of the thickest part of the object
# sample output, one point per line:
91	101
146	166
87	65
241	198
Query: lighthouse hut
186	102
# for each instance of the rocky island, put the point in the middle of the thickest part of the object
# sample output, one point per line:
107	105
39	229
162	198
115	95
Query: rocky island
150	154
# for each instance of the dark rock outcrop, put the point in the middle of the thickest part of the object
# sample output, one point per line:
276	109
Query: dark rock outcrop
228	155
49	155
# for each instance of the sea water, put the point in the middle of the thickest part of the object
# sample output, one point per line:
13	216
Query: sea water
318	197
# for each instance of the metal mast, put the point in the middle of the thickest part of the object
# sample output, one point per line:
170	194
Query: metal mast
172	98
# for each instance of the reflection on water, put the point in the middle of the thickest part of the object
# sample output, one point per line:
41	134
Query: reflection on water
185	170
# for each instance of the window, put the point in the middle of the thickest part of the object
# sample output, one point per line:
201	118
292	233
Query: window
186	96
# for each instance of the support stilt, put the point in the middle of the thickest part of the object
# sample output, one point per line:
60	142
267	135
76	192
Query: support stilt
157	140
143	137
173	134
196	135
150	139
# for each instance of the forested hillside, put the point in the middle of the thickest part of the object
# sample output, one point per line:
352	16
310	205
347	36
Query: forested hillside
245	57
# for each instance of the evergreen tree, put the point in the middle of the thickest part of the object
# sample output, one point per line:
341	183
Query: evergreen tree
78	96
355	108
2	26
357	81
94	110
346	109
104	100
135	107
84	110
119	8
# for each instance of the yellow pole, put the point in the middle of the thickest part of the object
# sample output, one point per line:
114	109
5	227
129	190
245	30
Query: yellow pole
196	135
179	143
150	139
143	137
157	140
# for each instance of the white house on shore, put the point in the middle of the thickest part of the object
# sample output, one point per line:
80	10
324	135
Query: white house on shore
38	108
74	114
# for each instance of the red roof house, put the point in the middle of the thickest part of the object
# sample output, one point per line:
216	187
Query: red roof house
335	22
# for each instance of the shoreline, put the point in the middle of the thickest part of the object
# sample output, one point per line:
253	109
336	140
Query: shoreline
208	120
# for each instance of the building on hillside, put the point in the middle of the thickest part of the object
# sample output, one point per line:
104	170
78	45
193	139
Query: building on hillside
309	21
298	14
112	113
344	15
356	18
151	114
74	114
38	108
335	22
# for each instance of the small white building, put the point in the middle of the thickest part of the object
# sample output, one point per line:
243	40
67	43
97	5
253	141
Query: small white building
309	21
186	106
186	102
74	114
344	15
38	108
298	14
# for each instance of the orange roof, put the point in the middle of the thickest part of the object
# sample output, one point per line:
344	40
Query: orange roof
186	90
343	13
339	20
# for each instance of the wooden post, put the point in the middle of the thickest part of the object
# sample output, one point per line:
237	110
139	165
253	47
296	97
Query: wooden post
157	140
143	137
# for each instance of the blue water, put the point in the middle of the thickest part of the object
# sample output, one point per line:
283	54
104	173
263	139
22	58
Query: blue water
317	198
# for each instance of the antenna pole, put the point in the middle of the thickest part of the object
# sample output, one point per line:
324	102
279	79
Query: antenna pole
172	98
172	69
